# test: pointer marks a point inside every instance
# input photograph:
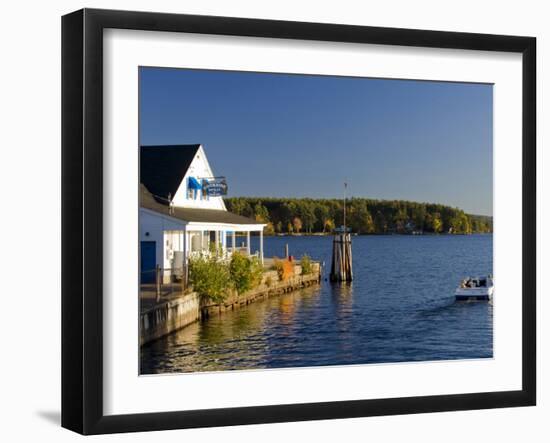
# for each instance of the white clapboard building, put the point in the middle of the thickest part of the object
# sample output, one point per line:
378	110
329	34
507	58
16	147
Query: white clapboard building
182	211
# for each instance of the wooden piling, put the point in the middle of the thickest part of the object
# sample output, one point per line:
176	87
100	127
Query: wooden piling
158	277
341	268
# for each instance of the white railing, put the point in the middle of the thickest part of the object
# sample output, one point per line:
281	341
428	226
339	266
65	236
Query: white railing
223	254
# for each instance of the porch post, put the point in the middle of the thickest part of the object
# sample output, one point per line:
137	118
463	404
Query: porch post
234	238
202	241
184	277
262	246
248	242
185	243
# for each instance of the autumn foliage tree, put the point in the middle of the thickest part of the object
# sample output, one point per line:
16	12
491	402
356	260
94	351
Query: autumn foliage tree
364	216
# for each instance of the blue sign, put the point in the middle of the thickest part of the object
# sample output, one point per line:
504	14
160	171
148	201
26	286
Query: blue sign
215	187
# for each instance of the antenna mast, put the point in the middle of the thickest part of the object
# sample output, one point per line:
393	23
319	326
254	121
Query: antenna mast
345	189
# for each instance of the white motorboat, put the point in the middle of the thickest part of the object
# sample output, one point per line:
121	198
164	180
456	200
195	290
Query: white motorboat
475	289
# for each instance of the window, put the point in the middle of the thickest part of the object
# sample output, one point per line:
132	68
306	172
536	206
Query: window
193	186
204	194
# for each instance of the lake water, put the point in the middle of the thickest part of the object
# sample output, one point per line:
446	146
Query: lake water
400	307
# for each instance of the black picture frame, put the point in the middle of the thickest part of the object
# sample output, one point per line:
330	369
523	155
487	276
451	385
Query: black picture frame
82	239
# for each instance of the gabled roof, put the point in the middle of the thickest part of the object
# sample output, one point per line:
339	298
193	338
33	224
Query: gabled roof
198	215
162	168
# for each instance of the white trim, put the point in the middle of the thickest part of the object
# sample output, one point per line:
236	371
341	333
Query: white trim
262	246
224	227
198	163
201	149
164	216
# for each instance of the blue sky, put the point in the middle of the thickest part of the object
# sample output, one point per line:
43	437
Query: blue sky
279	135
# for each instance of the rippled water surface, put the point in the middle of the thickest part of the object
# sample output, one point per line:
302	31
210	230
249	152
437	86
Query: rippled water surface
400	307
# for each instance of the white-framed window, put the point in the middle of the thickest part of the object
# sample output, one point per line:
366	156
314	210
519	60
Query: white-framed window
204	194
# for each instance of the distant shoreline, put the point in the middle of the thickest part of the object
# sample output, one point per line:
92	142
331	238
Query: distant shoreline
390	234
360	215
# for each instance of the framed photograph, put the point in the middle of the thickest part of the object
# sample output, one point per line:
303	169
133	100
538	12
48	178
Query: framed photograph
268	221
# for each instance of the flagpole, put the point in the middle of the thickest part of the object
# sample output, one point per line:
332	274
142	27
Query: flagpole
345	189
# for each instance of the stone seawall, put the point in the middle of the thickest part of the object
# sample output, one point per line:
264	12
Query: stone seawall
168	317
178	312
270	285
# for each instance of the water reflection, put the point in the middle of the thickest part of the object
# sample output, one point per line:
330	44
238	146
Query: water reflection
342	296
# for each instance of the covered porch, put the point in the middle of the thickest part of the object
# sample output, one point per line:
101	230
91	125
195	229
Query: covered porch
202	238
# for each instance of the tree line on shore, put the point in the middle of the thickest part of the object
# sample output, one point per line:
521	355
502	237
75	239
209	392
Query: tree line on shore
363	216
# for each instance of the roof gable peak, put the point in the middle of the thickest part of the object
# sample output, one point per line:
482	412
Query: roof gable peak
163	167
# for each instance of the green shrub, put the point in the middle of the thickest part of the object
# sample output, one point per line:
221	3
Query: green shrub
210	277
273	267
245	272
305	262
215	249
257	270
269	281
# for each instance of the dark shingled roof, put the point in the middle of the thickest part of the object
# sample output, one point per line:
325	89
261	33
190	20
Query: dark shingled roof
146	200
162	168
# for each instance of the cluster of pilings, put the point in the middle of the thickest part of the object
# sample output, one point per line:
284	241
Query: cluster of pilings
341	269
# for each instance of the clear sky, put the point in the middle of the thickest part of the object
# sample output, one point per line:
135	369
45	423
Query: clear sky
279	135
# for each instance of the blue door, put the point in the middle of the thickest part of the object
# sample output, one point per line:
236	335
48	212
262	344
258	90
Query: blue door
148	261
